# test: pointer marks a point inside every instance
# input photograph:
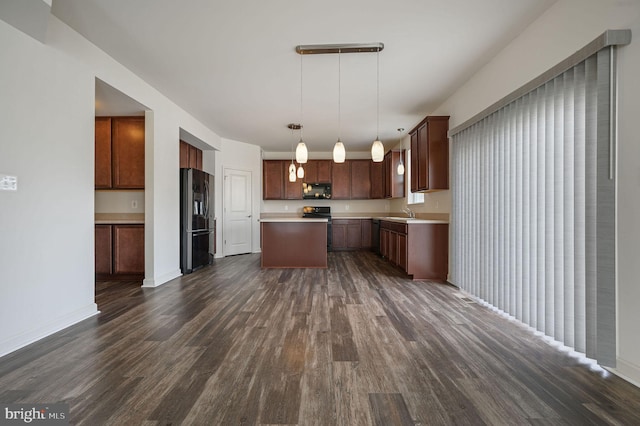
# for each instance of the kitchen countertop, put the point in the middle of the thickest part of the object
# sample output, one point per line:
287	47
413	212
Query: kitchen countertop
119	218
411	220
292	219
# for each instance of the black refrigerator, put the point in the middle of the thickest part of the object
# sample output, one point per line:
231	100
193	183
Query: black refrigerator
197	221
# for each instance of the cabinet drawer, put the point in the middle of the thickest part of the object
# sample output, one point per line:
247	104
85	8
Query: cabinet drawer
400	228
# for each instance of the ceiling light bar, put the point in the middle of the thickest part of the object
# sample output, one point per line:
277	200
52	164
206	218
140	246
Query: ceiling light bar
317	49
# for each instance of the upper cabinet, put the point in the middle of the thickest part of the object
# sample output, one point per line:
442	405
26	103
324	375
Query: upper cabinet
361	179
317	171
127	152
275	181
377	180
393	182
190	156
351	180
341	181
430	154
103	153
119	153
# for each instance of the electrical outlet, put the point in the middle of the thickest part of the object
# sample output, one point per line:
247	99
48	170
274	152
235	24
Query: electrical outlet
134	204
286	207
437	204
346	207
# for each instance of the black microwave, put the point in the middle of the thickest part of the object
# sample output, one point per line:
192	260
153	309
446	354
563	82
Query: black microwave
316	191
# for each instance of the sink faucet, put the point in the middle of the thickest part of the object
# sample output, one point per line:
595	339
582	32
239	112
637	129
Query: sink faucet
409	212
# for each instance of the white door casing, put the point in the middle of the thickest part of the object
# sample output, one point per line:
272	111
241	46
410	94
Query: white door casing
237	238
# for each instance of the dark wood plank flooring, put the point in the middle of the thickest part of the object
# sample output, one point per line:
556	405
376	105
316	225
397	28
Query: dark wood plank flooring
356	344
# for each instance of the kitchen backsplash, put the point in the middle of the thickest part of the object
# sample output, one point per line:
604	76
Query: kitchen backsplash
119	201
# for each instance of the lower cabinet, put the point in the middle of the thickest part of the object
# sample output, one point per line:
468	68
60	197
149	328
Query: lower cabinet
351	234
119	252
419	249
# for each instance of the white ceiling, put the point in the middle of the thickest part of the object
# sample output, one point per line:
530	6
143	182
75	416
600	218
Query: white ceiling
233	65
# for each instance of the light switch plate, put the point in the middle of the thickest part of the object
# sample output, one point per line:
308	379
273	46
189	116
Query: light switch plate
8	183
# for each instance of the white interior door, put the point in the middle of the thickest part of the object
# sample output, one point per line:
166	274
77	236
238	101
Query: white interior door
237	212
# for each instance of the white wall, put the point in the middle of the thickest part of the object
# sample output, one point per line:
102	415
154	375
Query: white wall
240	156
46	227
563	29
47	140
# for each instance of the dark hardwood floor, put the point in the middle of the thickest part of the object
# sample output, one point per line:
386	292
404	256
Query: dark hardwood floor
356	344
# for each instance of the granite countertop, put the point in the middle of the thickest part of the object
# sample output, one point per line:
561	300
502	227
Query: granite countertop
119	218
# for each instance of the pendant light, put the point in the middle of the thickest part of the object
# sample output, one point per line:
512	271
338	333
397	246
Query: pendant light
400	169
292	167
339	153
377	149
301	150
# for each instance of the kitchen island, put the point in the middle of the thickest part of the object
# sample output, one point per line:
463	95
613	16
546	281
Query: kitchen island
293	242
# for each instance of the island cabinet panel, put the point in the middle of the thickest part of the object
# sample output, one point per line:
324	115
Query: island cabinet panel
341	181
430	155
127	143
103	153
317	171
273	179
295	244
377	181
360	179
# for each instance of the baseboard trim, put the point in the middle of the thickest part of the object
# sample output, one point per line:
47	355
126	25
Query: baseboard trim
24	339
162	279
627	371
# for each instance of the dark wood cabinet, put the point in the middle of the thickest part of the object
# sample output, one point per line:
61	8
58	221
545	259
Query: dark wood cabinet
103	153
273	172
393	182
377	181
184	155
341	181
430	154
128	249
119	152
419	249
317	171
366	230
103	250
119	251
292	190
360	179
275	181
190	156
351	234
127	150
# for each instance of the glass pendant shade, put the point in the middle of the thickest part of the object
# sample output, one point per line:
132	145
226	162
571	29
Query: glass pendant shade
301	152
292	176
292	168
300	172
400	169
339	153
377	151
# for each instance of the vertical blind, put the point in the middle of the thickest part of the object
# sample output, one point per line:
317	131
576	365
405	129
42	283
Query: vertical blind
533	214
